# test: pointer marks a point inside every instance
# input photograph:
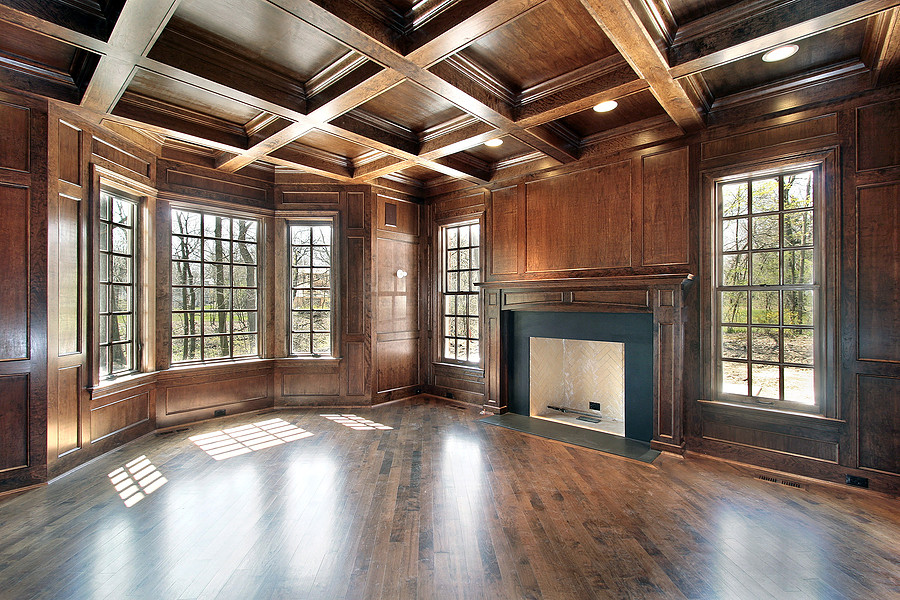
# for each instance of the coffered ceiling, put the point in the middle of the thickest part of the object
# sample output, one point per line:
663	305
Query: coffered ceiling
354	90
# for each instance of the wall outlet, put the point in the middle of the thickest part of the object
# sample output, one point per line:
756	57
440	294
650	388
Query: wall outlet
594	405
219	413
862	482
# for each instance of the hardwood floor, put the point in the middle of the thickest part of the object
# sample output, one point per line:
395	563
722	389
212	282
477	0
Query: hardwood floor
439	506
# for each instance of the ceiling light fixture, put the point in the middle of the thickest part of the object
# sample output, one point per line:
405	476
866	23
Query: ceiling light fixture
494	143
606	106
780	53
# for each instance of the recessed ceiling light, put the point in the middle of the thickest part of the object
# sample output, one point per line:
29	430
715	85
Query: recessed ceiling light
606	106
780	53
494	142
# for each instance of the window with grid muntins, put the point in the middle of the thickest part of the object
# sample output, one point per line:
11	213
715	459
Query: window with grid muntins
311	289
461	272
767	288
118	220
215	290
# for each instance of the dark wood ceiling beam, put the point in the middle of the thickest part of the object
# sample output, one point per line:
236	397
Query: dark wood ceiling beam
309	165
581	97
138	25
881	49
733	34
622	25
381	167
263	148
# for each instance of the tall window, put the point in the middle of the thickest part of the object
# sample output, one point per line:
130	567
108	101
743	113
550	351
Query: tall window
215	291
767	289
461	271
118	224
312	318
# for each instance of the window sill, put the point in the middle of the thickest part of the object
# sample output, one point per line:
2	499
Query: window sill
289	360
125	381
769	411
459	366
193	366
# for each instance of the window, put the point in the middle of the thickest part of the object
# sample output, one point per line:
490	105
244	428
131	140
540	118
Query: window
117	265
215	290
461	262
312	317
767	304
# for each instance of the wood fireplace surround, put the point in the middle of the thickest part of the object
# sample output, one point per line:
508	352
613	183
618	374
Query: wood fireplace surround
659	295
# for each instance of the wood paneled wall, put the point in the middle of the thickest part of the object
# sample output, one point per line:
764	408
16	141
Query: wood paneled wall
23	297
344	380
84	419
633	215
459	382
395	300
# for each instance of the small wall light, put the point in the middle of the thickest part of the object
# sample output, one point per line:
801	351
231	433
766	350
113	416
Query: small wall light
401	273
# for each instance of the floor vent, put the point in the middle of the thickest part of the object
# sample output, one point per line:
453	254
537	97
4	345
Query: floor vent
171	431
787	482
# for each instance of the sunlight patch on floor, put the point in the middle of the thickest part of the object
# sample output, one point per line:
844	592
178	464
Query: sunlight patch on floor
354	422
137	479
235	441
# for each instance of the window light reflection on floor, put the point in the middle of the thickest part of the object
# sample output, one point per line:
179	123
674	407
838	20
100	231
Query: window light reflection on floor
137	479
239	440
354	422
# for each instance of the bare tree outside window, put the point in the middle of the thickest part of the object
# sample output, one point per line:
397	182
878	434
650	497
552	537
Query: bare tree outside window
311	289
214	286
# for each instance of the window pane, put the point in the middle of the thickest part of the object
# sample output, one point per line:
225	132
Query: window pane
244	321
799	385
216	322
798	346
765	268
301	256
245	345
474	351
765	381
216	347
121	357
301	321
450	326
765	307
452	282
321	299
186	298
244	299
122	212
461	350
473	327
121	240
765	232
184	349
105	199
734	342
450	348
301	299
301	235
735	234
452	238
735	269
798	228
321	256
121	269
734	307
120	328
798	307
734	378
218	299
321	343
185	248
244	276
184	273
120	298
798	267
187	323
216	251
217	275
798	190
321	235
321	321
321	278
449	304
764	195
734	199
185	223
473	305
764	343
244	253
216	227
301	343
244	230
453	260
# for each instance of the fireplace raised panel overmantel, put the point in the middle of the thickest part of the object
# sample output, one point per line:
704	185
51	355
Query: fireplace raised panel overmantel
659	295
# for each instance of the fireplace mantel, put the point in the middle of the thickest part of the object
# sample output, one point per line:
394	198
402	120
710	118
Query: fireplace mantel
659	295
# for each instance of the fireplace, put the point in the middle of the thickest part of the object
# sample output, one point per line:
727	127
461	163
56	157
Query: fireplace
641	313
569	360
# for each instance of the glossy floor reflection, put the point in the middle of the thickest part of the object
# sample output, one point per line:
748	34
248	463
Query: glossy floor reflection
438	506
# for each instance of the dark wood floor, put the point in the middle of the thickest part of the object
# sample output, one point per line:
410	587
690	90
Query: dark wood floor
439	506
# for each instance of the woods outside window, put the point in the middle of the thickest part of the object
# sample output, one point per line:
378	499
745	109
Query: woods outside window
312	288
215	286
461	270
767	287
